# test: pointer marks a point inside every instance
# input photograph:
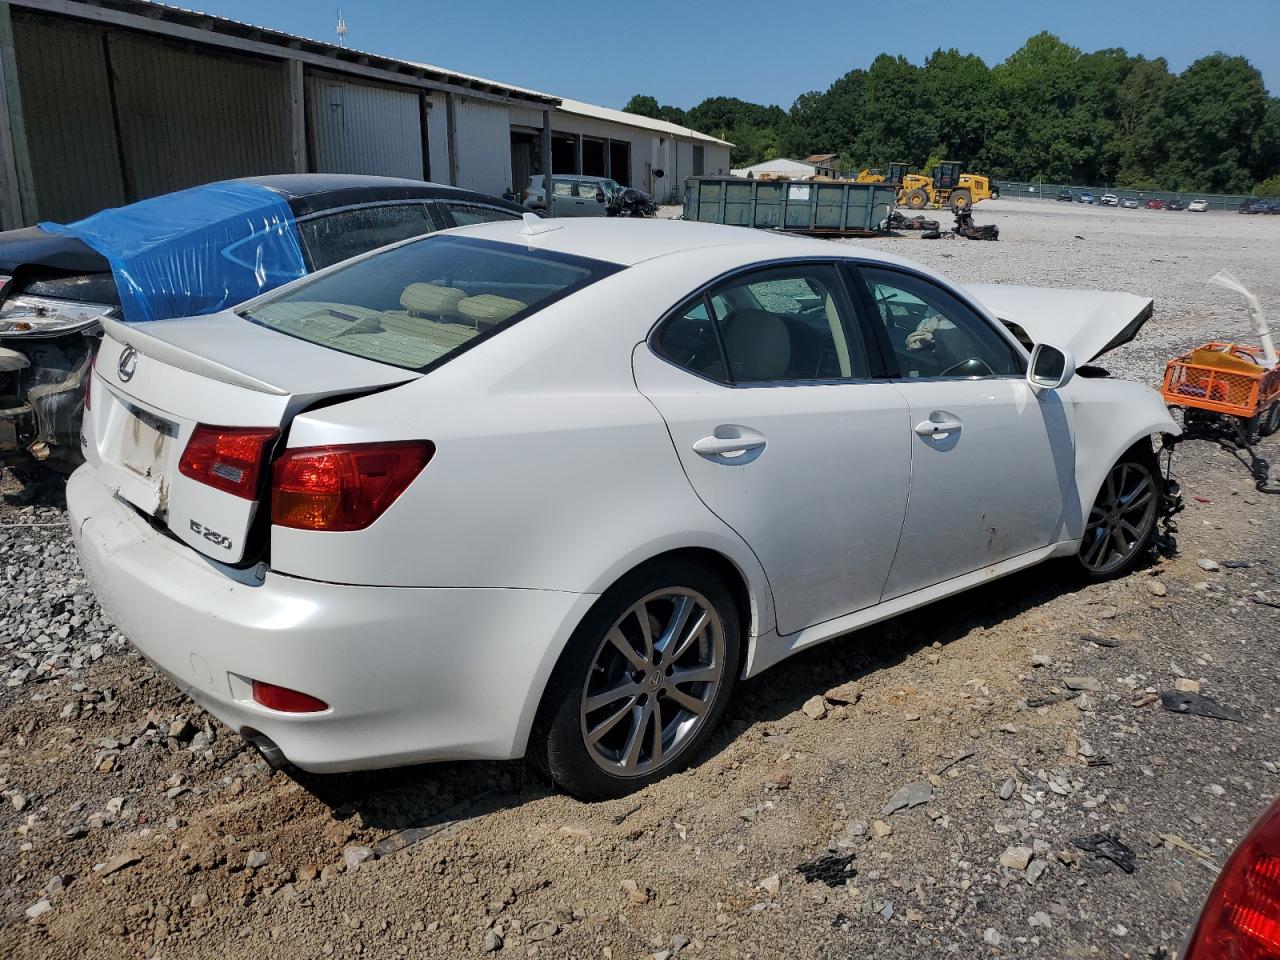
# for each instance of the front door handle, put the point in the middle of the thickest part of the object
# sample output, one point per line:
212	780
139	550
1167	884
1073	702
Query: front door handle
934	428
725	446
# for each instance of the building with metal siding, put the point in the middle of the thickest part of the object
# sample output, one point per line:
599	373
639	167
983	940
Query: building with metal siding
104	102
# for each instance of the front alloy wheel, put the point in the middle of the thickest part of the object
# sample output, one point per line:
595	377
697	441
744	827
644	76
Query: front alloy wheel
642	682
1123	519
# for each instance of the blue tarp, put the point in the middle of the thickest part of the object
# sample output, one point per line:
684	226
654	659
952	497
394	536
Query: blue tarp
195	251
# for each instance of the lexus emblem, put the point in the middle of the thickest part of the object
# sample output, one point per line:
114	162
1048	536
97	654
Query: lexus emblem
127	364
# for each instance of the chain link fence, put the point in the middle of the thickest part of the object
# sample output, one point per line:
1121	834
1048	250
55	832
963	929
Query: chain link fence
1050	191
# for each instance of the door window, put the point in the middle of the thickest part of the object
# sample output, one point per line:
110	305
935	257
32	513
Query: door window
465	214
786	324
689	340
330	238
561	188
933	333
589	191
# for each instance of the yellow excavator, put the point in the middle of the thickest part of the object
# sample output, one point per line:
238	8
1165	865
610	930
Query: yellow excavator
948	187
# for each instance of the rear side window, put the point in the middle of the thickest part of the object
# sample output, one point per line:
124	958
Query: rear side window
417	304
333	237
465	214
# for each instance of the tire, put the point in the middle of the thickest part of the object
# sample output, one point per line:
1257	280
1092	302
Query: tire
916	199
1269	422
1118	534
594	691
961	200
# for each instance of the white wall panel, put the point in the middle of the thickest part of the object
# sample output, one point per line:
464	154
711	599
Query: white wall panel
361	128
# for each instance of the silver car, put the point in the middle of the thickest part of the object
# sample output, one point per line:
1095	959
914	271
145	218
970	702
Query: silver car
572	195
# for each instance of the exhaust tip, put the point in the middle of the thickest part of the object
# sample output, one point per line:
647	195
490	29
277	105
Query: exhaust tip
266	748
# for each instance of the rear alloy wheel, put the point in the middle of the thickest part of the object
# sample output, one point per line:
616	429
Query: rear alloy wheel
1122	521
641	684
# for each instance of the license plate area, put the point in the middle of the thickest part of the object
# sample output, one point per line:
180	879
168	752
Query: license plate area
147	443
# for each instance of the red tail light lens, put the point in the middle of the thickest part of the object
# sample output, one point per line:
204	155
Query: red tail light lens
1241	919
228	458
343	488
286	700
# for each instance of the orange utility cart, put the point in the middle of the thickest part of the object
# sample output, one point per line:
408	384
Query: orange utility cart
1226	378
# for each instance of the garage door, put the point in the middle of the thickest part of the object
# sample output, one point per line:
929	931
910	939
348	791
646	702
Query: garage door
357	128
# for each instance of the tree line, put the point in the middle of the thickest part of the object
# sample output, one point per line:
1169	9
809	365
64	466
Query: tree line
1049	111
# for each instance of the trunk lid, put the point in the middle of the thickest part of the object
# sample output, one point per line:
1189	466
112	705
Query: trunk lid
156	382
1089	323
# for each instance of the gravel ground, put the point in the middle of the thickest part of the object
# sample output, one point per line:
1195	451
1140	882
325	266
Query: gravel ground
133	824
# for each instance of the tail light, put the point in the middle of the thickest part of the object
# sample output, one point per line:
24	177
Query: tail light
285	700
343	487
1241	919
525	196
227	458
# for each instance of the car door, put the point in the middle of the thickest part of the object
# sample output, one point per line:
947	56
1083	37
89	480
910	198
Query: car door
332	236
768	389
590	197
563	202
992	460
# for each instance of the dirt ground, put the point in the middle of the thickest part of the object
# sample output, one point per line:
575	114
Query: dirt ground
133	825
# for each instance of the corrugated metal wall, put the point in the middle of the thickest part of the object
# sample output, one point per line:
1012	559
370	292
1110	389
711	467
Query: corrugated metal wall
188	117
484	147
62	73
360	128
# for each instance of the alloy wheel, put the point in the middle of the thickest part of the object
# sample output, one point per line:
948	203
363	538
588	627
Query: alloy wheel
652	682
1121	519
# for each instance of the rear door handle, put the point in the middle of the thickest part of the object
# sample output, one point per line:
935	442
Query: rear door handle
934	428
725	446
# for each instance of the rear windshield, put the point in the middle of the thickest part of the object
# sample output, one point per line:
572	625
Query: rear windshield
417	304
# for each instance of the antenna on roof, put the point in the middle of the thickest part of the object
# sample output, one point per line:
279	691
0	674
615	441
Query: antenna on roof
534	225
342	29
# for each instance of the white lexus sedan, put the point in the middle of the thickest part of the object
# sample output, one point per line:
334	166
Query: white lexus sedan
552	488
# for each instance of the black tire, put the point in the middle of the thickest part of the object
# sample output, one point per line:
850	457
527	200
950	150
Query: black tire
915	199
558	746
1100	558
961	200
1269	422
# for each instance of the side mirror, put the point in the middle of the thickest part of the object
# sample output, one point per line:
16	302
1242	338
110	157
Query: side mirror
1051	367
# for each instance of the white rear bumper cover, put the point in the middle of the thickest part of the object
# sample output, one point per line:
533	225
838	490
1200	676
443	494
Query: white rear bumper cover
410	674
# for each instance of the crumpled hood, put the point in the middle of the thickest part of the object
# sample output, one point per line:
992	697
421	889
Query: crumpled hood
1088	323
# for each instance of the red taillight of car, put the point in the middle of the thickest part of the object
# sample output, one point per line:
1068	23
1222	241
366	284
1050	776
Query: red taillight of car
525	195
227	458
343	487
1241	919
285	700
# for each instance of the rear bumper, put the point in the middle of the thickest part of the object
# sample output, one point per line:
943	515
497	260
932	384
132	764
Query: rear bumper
410	674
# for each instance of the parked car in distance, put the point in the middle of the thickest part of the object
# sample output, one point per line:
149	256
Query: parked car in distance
1109	200
1155	203
1197	206
1129	203
1066	195
1176	205
583	196
1253	205
1240	919
191	252
1087	197
304	508
1273	205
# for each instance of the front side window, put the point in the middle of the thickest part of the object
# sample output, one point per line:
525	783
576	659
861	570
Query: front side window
589	191
562	188
932	332
779	324
333	237
415	305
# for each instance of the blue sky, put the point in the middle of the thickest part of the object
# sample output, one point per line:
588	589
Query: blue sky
766	52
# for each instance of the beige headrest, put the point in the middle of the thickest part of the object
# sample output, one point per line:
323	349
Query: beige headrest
758	345
431	299
489	308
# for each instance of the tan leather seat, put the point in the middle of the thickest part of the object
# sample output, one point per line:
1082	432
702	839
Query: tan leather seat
489	308
758	345
432	299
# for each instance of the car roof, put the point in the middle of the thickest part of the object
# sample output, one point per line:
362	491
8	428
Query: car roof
313	192
537	177
627	241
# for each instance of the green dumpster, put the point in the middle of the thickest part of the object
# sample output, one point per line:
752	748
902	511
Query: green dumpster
796	206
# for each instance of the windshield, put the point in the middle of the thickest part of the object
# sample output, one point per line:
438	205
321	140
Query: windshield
417	304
